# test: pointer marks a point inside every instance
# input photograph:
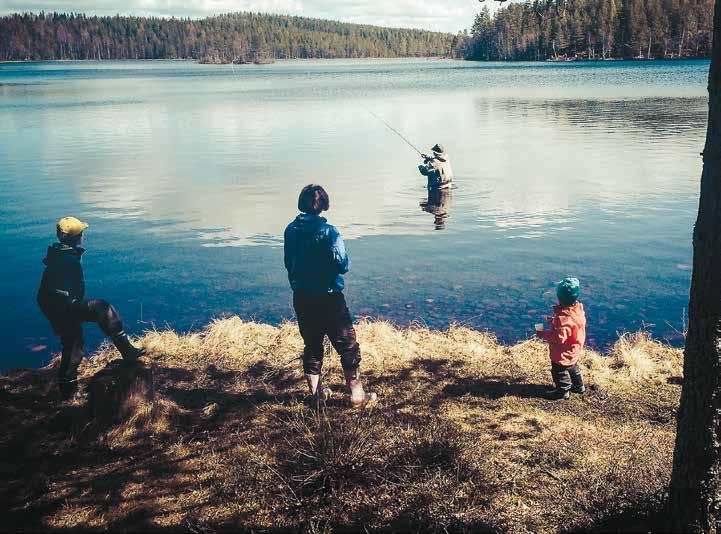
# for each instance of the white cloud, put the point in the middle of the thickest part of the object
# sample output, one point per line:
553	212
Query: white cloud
450	15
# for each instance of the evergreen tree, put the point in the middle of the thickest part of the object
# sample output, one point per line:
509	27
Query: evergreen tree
224	37
546	29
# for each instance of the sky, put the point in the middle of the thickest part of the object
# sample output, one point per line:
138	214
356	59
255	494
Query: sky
445	15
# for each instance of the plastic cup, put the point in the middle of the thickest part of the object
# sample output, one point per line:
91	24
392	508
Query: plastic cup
539	327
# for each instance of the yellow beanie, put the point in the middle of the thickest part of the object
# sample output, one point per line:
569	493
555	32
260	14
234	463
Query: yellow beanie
71	226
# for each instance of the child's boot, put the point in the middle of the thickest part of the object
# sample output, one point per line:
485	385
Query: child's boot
557	394
358	396
577	381
127	350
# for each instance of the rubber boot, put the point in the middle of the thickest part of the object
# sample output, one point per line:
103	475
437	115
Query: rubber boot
557	394
577	381
358	396
316	388
127	350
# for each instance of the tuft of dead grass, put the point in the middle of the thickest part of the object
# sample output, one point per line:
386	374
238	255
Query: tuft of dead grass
461	438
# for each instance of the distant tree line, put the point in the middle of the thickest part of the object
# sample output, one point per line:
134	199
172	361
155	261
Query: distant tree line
593	29
81	37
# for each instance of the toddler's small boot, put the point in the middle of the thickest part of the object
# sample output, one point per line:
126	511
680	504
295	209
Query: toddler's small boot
577	380
557	394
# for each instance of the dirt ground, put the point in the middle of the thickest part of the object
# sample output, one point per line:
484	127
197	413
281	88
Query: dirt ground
460	440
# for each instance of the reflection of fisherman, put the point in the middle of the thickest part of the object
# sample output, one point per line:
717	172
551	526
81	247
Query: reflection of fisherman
438	204
437	168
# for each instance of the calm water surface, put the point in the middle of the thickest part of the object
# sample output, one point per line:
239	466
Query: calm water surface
189	174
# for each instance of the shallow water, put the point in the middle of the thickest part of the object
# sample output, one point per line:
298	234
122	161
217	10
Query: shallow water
188	175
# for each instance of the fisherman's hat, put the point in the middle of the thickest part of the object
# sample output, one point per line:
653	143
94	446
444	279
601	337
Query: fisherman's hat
439	152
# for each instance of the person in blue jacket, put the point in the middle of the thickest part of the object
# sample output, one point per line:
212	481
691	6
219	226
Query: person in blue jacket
316	260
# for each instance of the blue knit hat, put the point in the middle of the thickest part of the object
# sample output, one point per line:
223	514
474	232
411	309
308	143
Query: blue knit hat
568	291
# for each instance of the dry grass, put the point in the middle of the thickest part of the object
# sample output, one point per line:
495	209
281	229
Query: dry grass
460	440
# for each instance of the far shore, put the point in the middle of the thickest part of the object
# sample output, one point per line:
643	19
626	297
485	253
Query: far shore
193	60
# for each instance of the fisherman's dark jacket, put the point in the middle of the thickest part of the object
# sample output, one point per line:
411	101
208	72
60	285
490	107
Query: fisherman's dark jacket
63	281
438	170
315	256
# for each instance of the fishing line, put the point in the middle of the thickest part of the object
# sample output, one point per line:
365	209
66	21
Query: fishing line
399	134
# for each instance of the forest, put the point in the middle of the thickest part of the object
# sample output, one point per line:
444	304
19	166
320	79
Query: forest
593	29
81	37
534	30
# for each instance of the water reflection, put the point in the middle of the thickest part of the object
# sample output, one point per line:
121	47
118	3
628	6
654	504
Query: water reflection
438	204
590	169
528	172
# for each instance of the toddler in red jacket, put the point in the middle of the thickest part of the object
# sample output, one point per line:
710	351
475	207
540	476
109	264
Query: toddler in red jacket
566	338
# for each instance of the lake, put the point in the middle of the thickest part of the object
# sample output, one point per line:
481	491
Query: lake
188	175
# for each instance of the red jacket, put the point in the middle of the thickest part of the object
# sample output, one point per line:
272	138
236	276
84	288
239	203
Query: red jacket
567	335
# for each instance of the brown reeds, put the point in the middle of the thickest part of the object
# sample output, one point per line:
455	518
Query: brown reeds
461	438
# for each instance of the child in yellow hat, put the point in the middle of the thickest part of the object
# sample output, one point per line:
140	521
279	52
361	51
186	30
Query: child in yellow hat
62	299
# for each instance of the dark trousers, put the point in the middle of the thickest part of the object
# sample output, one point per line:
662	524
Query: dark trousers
68	324
326	315
566	376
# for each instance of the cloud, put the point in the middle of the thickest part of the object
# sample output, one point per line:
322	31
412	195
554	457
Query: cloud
447	16
450	15
178	8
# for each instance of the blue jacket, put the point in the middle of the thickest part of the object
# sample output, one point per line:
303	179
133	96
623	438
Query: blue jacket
315	255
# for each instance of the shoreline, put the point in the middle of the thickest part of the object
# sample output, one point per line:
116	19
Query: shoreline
410	58
193	60
604	350
460	439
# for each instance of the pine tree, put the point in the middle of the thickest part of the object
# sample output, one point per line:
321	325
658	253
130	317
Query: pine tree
543	29
223	37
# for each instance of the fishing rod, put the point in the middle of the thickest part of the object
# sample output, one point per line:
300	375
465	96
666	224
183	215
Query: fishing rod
399	134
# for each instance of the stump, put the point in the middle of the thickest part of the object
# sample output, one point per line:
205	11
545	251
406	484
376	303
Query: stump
117	389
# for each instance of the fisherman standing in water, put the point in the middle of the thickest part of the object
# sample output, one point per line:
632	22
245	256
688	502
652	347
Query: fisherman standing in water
61	298
437	168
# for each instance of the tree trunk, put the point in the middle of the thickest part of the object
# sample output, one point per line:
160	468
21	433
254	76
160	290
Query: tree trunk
695	490
680	44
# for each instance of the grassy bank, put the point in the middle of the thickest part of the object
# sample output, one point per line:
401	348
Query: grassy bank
461	438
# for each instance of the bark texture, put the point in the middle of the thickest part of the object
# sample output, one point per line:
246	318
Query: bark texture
695	490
